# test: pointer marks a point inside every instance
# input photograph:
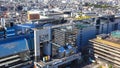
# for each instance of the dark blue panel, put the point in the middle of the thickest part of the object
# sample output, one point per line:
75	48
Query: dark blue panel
30	41
9	47
10	32
26	25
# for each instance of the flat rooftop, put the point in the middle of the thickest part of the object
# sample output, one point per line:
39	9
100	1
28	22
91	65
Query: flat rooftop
112	39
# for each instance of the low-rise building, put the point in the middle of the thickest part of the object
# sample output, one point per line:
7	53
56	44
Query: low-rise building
106	47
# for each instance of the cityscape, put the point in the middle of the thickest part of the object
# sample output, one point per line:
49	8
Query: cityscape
59	34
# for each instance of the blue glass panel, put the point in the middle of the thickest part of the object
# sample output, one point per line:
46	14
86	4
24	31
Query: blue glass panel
9	47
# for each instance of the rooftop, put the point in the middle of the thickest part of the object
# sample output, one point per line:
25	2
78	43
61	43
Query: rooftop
113	39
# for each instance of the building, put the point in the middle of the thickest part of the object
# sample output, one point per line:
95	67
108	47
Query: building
106	47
